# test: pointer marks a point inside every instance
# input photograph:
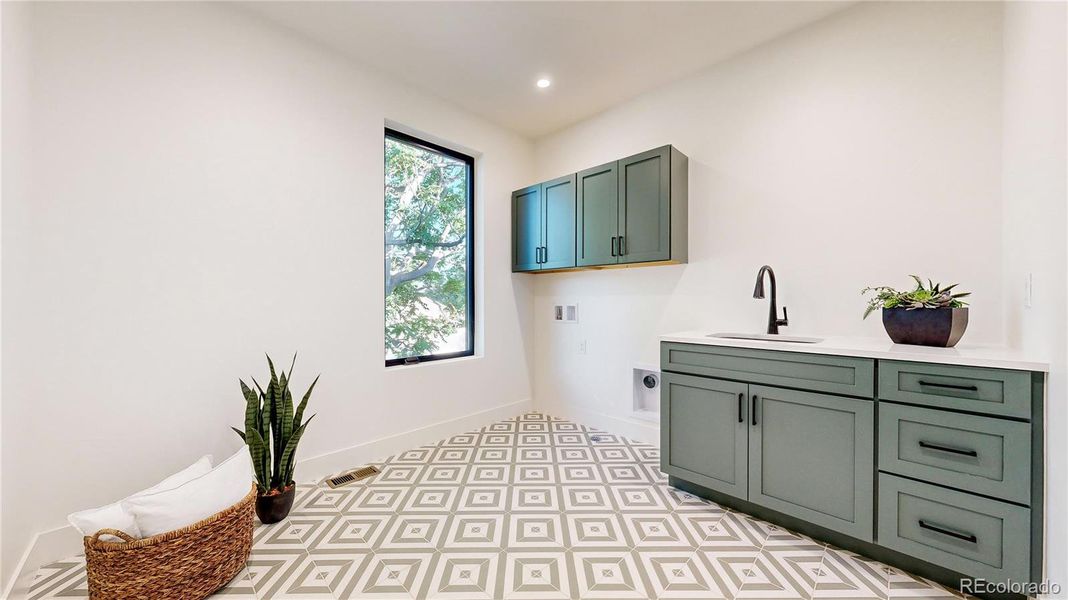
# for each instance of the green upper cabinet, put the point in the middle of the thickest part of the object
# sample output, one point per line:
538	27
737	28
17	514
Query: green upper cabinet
625	212
526	229
543	226
558	219
598	216
645	206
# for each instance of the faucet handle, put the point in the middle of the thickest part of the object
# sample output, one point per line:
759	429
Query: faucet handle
785	320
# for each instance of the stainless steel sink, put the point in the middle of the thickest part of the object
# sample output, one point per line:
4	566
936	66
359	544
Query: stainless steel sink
767	337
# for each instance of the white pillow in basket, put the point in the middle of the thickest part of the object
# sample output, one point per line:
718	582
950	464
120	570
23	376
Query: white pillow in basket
114	516
194	500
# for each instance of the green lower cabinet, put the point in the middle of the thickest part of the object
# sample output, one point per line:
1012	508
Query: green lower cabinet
938	469
969	534
812	456
973	453
708	441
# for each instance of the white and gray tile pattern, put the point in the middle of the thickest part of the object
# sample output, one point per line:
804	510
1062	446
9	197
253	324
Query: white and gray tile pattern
533	508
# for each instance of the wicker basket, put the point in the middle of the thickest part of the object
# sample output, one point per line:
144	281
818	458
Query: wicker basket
185	564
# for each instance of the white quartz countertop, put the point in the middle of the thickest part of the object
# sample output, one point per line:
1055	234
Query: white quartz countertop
972	355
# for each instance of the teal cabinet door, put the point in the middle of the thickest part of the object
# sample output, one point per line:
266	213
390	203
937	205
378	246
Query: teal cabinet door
558	199
812	456
705	435
526	229
598	216
645	206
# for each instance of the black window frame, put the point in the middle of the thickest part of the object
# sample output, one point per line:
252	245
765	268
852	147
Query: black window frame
470	162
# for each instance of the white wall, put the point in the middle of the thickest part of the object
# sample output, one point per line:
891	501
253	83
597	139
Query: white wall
14	32
203	188
850	153
889	139
1034	189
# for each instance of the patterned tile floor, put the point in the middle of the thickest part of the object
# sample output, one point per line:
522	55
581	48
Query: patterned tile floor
533	508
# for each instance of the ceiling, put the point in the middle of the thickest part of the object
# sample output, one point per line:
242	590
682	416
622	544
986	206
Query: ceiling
486	56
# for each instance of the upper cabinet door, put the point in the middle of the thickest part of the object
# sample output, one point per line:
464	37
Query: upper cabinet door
598	216
558	219
645	206
526	229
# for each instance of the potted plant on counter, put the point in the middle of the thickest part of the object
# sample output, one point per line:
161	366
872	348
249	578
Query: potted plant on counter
272	432
929	315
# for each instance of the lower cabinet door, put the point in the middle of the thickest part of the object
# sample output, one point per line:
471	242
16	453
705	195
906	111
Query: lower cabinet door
812	456
704	440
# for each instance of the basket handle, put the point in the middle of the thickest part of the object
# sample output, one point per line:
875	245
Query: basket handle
115	532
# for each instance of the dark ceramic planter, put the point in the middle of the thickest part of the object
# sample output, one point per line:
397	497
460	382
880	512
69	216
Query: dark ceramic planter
942	327
272	509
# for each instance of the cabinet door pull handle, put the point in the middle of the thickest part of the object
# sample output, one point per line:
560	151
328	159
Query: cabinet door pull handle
949	386
741	406
622	247
614	238
544	254
537	254
944	531
752	409
941	448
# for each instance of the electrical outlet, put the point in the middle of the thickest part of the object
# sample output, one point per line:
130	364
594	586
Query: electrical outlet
565	313
571	313
583	347
1029	290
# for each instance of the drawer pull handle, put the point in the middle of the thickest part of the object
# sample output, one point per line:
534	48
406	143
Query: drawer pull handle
741	406
949	386
953	534
940	448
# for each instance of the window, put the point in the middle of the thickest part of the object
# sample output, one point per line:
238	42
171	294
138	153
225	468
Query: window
429	258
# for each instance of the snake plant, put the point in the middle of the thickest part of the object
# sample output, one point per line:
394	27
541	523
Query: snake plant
272	429
933	295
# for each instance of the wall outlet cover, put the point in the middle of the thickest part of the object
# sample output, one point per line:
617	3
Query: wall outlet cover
565	313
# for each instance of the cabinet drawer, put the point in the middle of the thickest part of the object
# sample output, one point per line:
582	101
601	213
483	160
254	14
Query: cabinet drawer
990	391
816	372
974	536
979	454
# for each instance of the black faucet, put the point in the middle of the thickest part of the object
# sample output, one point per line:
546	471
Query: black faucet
773	314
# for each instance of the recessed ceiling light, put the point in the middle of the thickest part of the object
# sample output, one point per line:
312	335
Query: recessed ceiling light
544	83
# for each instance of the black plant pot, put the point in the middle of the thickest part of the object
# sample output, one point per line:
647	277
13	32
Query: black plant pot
275	507
942	327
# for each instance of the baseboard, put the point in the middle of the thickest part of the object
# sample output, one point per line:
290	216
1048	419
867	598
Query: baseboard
317	467
641	430
46	547
63	542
